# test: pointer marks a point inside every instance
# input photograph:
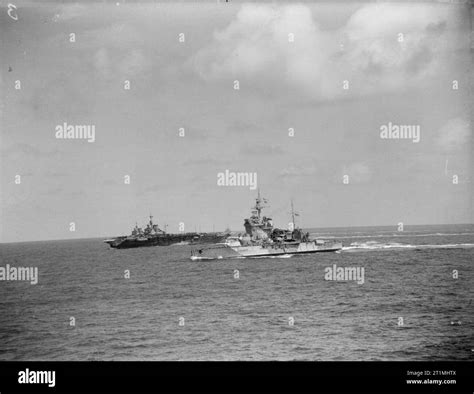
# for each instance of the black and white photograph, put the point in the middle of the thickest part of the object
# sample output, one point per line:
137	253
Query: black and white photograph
237	181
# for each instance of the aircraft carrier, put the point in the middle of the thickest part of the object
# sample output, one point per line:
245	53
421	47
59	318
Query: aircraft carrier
152	235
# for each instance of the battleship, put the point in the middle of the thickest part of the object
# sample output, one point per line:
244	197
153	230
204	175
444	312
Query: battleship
152	235
262	239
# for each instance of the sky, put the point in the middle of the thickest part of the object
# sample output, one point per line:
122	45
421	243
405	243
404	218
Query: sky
335	73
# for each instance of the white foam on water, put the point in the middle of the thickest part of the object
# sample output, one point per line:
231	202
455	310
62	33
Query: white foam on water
282	256
395	234
373	245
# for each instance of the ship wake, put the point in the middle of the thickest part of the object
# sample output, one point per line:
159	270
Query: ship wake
373	245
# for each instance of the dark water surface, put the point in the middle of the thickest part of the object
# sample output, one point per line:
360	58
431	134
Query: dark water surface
407	275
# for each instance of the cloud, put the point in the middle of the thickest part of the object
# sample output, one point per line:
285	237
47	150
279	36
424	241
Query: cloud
255	46
134	63
67	12
300	170
22	151
454	134
114	50
113	64
206	161
240	126
102	62
358	172
261	149
114	36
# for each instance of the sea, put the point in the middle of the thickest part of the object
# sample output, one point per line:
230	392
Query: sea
93	302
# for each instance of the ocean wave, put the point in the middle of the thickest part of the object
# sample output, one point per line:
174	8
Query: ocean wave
401	234
281	256
373	245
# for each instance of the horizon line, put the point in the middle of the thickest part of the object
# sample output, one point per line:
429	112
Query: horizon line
305	228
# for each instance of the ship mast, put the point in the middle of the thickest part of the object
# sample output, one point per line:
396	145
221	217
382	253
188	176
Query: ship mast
259	204
293	214
258	207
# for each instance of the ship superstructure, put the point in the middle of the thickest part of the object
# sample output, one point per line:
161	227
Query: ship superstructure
262	239
152	235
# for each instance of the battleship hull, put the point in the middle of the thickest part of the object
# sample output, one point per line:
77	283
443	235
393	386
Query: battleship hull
225	251
165	240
